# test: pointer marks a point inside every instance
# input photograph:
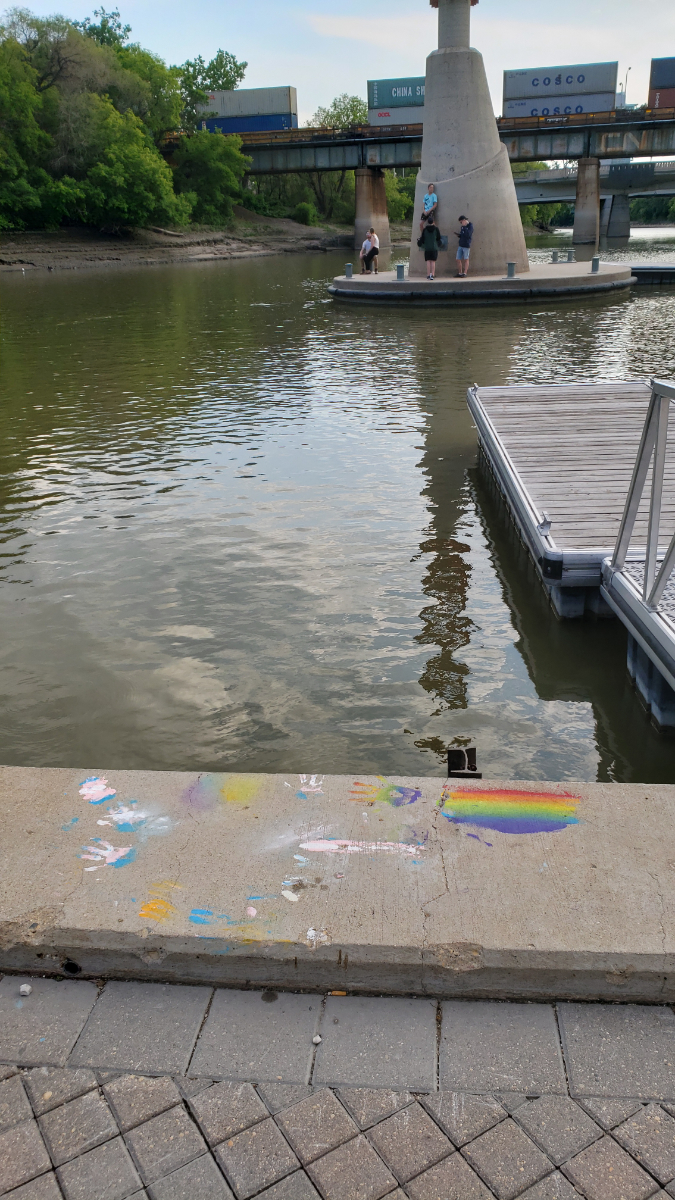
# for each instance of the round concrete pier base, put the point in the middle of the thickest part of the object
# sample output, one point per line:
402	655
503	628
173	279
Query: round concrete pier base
551	281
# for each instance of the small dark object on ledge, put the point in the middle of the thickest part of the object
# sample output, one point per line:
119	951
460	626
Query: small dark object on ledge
462	763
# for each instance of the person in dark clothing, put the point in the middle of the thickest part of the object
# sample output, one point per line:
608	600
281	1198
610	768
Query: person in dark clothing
464	245
429	242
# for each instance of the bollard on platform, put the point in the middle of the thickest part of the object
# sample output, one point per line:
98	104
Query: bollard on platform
595	265
570	255
400	272
348	271
510	270
554	256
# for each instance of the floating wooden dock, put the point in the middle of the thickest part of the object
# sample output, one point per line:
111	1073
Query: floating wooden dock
564	459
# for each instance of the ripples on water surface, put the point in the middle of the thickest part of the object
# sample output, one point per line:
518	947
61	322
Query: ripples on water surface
241	528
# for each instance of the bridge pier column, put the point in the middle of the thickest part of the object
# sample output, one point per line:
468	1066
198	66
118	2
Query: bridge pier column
371	206
587	205
618	216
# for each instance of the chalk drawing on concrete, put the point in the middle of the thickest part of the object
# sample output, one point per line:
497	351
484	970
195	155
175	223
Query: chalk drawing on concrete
509	810
96	789
289	895
317	937
105	855
158	906
241	789
310	785
386	793
127	818
208	791
347	846
71	824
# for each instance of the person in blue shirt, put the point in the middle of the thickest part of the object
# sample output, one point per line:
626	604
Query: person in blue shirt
465	235
430	206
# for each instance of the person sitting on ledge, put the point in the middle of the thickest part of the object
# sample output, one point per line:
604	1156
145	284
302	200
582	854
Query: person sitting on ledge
371	256
429	241
464	246
430	206
363	254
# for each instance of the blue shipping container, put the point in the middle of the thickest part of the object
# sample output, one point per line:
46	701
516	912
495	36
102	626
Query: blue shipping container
265	124
663	73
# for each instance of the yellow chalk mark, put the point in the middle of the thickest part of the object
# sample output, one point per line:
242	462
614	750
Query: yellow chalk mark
159	907
241	789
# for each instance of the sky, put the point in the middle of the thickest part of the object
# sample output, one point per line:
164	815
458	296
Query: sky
326	47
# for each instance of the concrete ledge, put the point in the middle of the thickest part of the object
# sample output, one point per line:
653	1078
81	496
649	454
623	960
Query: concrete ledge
550	281
350	883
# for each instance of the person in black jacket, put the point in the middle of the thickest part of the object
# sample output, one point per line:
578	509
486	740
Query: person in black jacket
429	242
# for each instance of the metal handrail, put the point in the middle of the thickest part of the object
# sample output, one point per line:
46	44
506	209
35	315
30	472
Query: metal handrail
653	445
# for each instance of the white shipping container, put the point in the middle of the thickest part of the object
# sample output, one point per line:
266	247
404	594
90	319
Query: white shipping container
396	116
553	106
253	102
582	79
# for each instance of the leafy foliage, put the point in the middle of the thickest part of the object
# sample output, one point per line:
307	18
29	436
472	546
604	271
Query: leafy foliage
652	210
305	213
197	78
341	114
108	32
208	172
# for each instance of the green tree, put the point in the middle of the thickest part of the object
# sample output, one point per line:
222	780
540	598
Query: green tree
108	32
344	111
161	103
197	78
399	201
208	172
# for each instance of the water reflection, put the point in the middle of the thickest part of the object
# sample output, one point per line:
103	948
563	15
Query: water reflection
239	529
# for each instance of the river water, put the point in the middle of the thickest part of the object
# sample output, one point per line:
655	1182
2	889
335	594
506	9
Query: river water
242	528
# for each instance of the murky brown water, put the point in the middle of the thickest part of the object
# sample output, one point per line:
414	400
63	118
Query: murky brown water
241	528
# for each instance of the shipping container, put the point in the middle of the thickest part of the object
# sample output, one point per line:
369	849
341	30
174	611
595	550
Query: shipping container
564	105
396	116
264	124
253	102
396	93
580	80
661	98
662	74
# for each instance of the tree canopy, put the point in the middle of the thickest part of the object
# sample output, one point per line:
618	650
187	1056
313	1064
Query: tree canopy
344	111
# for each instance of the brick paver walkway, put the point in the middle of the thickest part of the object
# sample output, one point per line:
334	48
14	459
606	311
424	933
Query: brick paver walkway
186	1093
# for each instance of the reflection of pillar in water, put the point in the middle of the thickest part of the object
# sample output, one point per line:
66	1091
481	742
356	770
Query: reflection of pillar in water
463	156
371	206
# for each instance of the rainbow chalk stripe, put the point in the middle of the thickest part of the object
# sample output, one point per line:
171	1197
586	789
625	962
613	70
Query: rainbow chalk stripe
509	811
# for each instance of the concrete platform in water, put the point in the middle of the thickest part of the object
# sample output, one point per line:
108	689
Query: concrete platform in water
550	281
356	883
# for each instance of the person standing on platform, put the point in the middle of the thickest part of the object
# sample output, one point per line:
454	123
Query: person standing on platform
464	246
429	241
364	252
371	256
430	206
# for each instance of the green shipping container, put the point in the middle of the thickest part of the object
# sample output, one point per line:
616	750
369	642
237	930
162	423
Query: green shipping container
396	93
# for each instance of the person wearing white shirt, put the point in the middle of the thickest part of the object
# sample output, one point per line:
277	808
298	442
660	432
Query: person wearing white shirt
373	250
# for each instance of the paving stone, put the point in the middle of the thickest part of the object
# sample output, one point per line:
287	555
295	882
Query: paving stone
22	1155
370	1105
107	1076
164	1144
409	1142
77	1127
136	1098
554	1187
316	1125
44	1187
192	1087
670	1188
227	1108
451	1179
106	1173
605	1172
256	1158
42	1028
650	1138
48	1087
282	1095
8	1070
352	1172
387	1042
248	1039
492	1046
506	1160
14	1105
558	1126
199	1180
609	1113
296	1187
511	1100
619	1050
461	1116
148	1027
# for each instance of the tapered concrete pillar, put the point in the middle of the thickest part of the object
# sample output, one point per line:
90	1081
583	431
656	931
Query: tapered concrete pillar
618	225
371	207
463	156
587	204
